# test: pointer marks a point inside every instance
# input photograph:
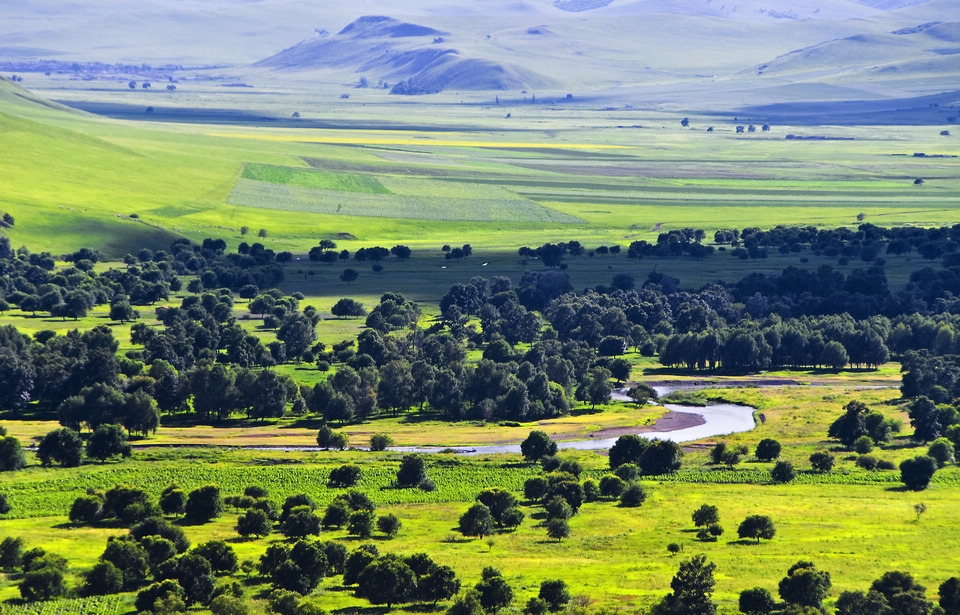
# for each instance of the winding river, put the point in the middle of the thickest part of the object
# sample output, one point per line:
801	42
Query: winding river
717	420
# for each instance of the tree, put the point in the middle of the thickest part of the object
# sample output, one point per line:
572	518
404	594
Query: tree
103	579
536	445
757	526
221	556
595	386
387	581
349	275
412	471
86	509
11	454
357	561
628	448
166	593
834	355
756	601
633	496
360	523
228	605
942	450
130	559
476	521
554	593
661	457
173	501
783	472
195	576
346	475
499	501
439	583
821	461
380	442
348	307
254	522
558	528
108	441
297	333
692	589
917	472
494	592
43	583
768	449
706	515
262	233
62	446
204	503
804	585
11	553
389	525
924	418
950	596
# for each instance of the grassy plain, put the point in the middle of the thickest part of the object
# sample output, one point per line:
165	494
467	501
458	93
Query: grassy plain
608	177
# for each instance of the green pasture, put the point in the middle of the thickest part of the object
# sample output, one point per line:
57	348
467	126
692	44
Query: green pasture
73	179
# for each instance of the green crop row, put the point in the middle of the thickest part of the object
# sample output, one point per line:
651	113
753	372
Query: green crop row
310	178
94	605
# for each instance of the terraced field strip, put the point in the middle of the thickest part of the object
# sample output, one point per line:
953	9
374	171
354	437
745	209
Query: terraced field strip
311	178
497	205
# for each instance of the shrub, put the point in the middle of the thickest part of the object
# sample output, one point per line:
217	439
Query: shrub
204	503
633	496
867	462
380	442
768	449
917	472
863	445
783	472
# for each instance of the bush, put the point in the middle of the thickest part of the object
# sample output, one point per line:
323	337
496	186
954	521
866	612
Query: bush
11	454
86	509
863	445
555	594
204	503
886	464
412	472
611	486
380	442
254	522
346	475
783	472
821	461
633	496
756	601
867	462
917	472
535	487
389	525
104	578
627	472
942	451
768	449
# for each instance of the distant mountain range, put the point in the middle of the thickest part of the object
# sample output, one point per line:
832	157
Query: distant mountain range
751	51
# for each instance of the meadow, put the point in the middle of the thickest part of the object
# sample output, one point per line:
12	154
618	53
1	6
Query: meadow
461	174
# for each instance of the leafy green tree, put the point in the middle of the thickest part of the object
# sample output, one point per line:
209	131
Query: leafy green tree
633	496
228	605
756	601
476	521
498	500
768	449
389	525
62	446
108	441
706	515
821	461
254	522
494	592
949	592
661	457
558	508
222	558
942	451
757	526
692	590
439	583
924	418
11	552
554	593
167	593
4	504
128	504
360	523
595	386
173	501
204	503
863	445
11	454
44	583
804	585
466	604
300	522
536	445
346	475
917	472
155	526
387	581
359	558
783	472
558	528
130	559
412	472
380	442
611	486
86	509
103	578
